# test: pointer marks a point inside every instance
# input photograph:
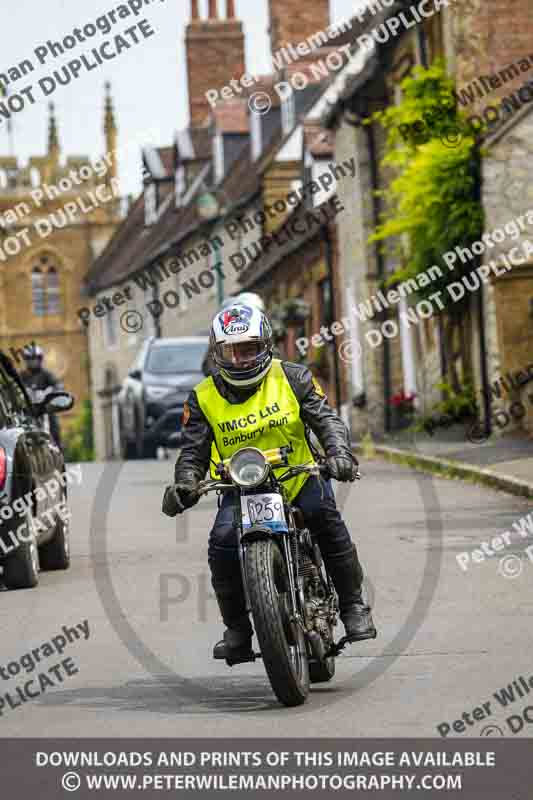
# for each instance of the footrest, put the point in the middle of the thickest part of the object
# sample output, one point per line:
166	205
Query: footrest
341	644
232	661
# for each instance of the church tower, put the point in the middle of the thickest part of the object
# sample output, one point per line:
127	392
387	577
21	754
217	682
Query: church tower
55	217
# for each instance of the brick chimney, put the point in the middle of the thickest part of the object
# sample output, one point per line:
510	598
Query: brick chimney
215	55
292	21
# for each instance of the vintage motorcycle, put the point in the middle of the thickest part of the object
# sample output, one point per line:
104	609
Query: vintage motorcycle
288	591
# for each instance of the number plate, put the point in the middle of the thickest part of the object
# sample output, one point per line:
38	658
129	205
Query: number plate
264	509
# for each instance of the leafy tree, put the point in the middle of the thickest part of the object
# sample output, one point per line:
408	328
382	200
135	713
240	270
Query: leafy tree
78	438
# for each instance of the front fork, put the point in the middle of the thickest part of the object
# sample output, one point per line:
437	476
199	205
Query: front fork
295	615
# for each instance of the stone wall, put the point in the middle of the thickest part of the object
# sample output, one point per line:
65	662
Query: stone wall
508	194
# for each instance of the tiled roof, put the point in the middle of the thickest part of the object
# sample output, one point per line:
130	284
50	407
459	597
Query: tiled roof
120	250
265	262
134	246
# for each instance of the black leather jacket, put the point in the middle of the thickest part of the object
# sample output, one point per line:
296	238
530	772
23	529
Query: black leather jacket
40	379
315	413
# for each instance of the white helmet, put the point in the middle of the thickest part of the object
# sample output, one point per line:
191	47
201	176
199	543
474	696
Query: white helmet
252	299
242	344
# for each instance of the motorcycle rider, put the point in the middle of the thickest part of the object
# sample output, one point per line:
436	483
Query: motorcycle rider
38	379
253	398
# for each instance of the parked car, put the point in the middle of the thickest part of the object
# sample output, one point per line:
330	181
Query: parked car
29	458
153	395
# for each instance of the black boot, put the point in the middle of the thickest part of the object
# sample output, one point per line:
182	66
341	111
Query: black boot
236	646
347	576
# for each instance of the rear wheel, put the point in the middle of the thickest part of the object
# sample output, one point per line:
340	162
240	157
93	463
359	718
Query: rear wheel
127	449
281	641
55	554
143	449
21	568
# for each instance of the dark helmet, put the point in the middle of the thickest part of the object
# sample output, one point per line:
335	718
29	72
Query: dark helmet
33	356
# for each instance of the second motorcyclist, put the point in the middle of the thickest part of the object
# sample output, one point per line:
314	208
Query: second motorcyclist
39	381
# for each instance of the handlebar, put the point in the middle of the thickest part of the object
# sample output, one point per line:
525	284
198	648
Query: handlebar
314	469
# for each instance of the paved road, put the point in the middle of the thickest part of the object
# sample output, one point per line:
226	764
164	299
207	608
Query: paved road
447	639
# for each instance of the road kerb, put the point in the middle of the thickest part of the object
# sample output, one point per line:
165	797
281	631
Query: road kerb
455	470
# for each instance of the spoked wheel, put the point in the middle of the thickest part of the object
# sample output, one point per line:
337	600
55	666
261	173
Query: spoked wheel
281	641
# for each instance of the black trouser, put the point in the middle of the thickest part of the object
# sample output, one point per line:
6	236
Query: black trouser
321	516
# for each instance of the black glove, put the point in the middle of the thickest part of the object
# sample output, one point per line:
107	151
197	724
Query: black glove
172	504
179	497
342	468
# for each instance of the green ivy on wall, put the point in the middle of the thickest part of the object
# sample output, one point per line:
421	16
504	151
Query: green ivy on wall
433	197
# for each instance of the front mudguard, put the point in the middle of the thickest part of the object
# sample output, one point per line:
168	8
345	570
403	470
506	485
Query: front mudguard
260	532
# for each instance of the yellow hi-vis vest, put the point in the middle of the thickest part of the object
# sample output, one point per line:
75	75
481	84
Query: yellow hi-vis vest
269	418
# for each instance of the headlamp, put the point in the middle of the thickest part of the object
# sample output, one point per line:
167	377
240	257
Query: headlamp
248	467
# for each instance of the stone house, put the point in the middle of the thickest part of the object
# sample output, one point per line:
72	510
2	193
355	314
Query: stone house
497	328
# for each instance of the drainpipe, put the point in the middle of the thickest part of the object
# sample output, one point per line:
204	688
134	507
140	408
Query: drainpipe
332	311
422	46
376	206
481	311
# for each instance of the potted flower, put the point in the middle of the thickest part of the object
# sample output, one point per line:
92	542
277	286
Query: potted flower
403	406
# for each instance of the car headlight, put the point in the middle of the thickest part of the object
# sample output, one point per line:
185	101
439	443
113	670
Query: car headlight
157	392
248	467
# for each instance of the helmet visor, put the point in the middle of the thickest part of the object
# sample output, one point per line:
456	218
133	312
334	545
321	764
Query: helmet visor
241	354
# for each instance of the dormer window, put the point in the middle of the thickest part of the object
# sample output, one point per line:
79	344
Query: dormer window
181	185
150	204
319	168
257	135
288	113
218	145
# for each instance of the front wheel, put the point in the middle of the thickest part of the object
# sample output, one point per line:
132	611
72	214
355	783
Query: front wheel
55	554
21	569
281	641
